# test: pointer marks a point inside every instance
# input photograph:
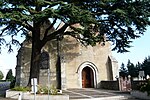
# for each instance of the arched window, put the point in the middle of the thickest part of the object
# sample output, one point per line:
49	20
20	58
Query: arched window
44	60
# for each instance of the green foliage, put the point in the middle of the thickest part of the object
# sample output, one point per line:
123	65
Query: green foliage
9	76
12	84
132	70
129	69
21	88
1	75
119	20
41	89
44	90
123	71
53	90
146	65
145	87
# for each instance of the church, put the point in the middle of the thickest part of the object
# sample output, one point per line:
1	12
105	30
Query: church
81	66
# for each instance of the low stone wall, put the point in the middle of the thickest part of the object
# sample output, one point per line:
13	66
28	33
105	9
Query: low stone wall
137	83
110	85
114	85
29	96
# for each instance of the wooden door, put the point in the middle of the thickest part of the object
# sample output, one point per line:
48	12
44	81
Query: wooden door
87	78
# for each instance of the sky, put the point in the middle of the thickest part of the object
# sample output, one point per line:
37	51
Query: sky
8	60
140	50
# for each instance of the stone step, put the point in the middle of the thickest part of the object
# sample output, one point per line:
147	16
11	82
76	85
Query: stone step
97	94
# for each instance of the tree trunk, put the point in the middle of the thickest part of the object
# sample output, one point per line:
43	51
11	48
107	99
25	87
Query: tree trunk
35	55
34	66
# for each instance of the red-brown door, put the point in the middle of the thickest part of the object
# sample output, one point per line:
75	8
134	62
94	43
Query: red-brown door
87	78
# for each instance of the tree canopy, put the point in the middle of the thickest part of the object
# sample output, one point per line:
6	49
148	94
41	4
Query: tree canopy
118	21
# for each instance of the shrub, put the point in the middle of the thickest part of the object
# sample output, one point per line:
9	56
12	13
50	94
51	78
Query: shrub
12	84
41	90
145	87
44	90
53	90
21	88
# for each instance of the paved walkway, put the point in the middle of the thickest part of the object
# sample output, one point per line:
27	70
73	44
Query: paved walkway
94	94
97	94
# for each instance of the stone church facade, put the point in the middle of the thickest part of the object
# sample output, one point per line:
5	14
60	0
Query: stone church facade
81	67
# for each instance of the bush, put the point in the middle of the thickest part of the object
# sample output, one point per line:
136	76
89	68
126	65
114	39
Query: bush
44	90
41	90
145	87
21	88
12	84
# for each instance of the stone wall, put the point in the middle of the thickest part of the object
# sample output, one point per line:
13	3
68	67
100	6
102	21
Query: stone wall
135	84
73	55
114	85
110	85
76	54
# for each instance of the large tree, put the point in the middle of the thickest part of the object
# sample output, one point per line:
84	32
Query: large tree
119	21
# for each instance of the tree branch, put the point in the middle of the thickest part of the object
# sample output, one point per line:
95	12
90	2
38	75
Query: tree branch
28	26
50	26
52	4
54	35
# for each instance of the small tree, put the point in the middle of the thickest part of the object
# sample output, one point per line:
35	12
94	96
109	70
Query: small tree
146	66
1	75
123	71
132	70
9	76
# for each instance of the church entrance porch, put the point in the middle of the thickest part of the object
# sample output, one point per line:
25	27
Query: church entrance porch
87	78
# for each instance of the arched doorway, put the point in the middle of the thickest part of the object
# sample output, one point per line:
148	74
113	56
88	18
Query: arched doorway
87	78
89	66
